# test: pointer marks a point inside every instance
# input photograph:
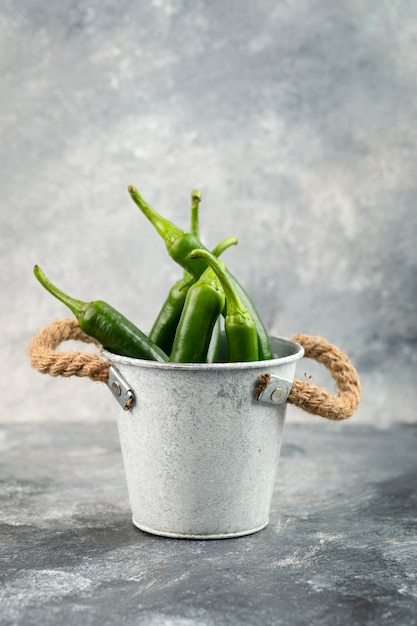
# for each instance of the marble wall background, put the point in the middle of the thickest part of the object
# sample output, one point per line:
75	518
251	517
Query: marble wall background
297	121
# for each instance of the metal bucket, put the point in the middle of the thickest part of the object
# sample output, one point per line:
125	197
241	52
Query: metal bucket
200	450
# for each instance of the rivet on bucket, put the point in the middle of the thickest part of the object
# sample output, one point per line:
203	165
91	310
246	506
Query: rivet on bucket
273	389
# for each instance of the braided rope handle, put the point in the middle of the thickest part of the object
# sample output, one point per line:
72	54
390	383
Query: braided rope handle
304	394
46	359
311	398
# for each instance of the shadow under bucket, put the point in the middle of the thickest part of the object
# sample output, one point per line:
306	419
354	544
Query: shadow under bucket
200	451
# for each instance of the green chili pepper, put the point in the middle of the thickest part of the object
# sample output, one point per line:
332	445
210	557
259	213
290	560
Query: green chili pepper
163	330
203	305
180	244
240	327
165	325
109	327
264	346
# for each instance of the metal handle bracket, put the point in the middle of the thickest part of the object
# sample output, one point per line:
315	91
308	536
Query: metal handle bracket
277	391
120	389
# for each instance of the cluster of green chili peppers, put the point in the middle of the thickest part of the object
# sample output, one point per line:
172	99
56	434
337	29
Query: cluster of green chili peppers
188	327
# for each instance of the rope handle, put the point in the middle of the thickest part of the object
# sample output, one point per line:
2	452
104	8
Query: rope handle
45	357
304	394
312	399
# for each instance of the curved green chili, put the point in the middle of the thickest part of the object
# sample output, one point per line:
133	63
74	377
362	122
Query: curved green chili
109	327
180	244
240	327
203	305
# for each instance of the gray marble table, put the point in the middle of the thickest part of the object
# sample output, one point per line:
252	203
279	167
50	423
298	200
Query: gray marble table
340	547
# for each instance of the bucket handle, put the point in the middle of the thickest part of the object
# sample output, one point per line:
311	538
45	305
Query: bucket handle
312	399
48	360
45	357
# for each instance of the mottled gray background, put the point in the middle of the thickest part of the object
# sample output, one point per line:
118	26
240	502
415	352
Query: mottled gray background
296	119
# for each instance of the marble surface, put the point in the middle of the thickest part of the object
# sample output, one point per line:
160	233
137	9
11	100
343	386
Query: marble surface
340	548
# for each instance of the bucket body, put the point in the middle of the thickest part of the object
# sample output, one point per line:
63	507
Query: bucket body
200	452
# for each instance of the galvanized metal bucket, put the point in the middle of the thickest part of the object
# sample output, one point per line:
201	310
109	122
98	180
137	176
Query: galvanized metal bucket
200	449
201	442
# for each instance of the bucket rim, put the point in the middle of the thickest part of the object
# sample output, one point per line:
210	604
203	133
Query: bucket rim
297	352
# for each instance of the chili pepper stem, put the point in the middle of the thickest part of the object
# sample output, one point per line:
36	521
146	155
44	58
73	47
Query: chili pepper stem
223	245
73	304
195	204
166	229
